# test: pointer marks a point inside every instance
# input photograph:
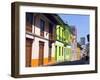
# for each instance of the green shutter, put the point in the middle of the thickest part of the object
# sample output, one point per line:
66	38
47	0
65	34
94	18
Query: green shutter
55	52
59	50
57	32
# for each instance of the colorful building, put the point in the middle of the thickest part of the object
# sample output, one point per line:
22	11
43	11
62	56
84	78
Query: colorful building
74	43
48	40
40	38
68	39
59	44
63	43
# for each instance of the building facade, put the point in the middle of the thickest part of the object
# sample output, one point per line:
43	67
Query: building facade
63	43
74	43
49	40
59	44
40	38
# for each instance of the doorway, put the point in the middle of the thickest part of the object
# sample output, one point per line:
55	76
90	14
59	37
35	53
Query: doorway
41	53
28	52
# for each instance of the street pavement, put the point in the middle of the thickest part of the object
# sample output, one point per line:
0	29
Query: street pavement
78	62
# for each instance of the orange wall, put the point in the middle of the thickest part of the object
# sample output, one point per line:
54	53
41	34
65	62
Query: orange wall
34	62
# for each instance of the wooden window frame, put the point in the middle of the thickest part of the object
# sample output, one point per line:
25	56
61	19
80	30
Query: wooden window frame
42	25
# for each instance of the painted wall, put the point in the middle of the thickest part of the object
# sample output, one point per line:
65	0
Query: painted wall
63	40
35	51
58	51
74	48
37	38
68	53
59	43
67	34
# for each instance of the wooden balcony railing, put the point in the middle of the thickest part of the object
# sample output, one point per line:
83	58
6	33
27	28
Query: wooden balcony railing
42	33
52	37
28	27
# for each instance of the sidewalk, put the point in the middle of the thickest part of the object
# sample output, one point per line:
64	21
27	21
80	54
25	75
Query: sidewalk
78	62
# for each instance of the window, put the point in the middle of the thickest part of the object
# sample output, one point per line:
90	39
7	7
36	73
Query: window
63	35
66	34
59	50
62	51
29	21
65	52
42	25
50	27
59	34
55	52
50	30
29	18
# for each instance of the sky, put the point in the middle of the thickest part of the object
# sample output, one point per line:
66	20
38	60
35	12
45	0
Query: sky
81	22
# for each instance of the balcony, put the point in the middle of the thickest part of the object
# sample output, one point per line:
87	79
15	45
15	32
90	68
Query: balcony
52	37
60	38
28	27
42	33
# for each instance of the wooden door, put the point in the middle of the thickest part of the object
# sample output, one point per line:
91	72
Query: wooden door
50	48
41	53
28	52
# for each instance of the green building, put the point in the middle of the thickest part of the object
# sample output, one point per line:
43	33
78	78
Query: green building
63	43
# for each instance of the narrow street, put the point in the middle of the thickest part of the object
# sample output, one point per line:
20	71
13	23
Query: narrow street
78	62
